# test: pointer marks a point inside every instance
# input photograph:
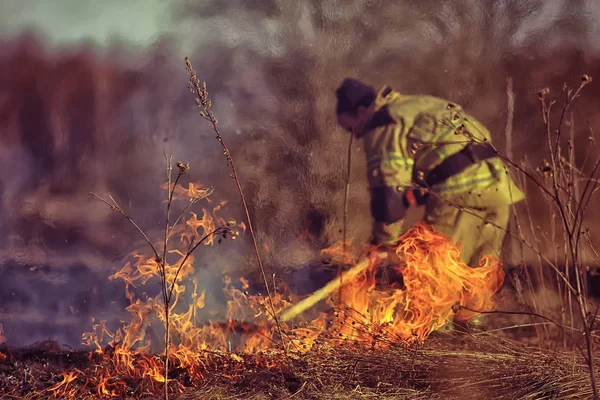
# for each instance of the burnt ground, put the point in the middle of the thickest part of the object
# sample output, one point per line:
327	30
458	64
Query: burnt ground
461	366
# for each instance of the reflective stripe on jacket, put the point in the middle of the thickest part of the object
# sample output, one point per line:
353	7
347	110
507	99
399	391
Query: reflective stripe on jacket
408	136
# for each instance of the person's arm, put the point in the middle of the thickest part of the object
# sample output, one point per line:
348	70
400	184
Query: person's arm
390	173
388	209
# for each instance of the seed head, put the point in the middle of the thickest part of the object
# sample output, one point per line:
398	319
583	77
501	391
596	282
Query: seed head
543	93
183	167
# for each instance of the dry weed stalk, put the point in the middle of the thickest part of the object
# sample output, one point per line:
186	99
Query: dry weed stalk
204	103
559	181
345	216
571	206
167	287
563	177
543	330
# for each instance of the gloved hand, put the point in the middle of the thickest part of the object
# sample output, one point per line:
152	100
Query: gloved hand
380	251
376	243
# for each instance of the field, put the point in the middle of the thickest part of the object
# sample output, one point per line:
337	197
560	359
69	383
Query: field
129	205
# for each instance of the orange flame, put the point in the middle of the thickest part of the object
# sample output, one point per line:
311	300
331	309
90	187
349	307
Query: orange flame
435	282
434	279
2	338
61	389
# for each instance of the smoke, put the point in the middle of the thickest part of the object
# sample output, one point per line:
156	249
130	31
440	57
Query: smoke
97	116
298	53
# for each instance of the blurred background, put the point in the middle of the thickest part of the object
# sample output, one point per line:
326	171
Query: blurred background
93	93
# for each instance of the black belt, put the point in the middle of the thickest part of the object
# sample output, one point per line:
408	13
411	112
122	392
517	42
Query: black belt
456	163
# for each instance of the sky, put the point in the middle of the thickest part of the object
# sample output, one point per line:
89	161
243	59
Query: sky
72	20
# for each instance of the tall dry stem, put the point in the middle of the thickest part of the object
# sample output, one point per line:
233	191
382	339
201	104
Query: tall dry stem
345	216
508	134
205	105
571	209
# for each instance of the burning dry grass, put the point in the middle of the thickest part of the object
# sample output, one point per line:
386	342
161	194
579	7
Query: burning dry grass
470	366
356	351
352	348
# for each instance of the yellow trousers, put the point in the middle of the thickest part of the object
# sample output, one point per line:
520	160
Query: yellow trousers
478	231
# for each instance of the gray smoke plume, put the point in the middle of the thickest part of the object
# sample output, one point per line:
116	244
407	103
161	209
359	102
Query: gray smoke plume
98	115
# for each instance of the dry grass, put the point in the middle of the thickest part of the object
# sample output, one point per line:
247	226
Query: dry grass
446	367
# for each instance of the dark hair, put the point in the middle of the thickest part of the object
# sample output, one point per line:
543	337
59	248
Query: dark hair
353	94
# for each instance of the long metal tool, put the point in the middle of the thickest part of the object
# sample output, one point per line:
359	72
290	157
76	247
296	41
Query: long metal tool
325	291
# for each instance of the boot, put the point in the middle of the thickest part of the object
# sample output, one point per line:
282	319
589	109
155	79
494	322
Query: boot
473	325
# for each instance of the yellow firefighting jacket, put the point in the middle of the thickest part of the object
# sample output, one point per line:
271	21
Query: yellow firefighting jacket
408	136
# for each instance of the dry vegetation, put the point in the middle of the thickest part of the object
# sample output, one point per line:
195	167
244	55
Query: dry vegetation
473	367
278	98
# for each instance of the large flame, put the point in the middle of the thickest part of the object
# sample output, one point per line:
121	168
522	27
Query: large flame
434	287
364	312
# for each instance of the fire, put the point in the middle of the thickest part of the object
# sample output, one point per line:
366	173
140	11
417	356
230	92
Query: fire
363	313
2	340
435	281
62	389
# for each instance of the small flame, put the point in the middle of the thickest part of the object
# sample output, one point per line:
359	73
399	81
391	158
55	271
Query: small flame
2	338
61	389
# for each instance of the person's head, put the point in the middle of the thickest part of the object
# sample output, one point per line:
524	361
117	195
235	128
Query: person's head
354	104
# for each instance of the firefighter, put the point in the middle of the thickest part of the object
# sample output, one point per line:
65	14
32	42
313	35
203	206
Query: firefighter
424	150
